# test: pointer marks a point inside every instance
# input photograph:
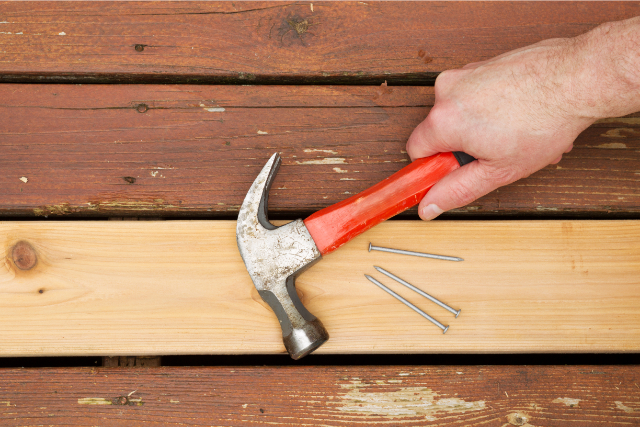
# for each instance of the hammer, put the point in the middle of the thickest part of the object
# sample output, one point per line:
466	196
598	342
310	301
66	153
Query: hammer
275	256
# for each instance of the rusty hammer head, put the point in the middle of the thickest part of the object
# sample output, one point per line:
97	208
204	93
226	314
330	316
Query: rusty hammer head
274	257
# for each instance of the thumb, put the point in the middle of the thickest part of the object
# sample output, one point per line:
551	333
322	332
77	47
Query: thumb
461	187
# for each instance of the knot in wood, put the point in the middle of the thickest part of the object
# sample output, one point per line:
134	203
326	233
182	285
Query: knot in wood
299	27
24	256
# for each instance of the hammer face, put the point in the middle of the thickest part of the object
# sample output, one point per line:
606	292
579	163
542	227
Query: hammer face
274	257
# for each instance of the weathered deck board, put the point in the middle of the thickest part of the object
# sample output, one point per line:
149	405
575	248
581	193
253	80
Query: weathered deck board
354	42
114	150
553	396
180	287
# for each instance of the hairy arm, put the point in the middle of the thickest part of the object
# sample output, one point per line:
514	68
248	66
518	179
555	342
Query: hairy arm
520	111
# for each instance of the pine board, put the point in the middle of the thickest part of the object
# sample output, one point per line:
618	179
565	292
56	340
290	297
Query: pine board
179	287
194	150
294	42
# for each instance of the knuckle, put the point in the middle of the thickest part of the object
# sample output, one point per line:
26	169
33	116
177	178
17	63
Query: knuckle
502	176
461	195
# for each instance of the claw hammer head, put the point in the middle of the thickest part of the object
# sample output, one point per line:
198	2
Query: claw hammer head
274	257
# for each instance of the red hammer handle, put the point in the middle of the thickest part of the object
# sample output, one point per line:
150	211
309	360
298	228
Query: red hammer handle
334	226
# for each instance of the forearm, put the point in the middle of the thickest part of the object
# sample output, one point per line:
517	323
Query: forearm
606	74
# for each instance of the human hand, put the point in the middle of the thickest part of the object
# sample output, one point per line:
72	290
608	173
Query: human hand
515	113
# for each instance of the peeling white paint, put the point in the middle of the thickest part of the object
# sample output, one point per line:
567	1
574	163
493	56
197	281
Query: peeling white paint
62	33
519	419
567	401
311	7
245	405
338	170
406	402
325	161
216	110
154	173
625	120
618	145
174	401
24	179
309	150
619	405
616	133
262	133
347	179
94	401
542	208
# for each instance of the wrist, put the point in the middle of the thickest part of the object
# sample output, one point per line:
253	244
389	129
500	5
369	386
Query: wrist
605	73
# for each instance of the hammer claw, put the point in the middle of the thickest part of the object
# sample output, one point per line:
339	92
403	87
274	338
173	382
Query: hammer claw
274	257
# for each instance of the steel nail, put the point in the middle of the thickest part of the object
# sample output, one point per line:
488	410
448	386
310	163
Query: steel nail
420	254
420	291
408	304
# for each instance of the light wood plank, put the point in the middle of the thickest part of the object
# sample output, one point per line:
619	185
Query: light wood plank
180	287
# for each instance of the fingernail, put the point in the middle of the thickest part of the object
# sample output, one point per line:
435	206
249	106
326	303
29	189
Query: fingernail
430	211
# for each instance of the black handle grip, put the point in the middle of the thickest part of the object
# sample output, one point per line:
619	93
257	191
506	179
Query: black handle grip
463	158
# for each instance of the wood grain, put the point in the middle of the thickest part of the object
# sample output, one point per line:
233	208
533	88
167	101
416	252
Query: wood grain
295	42
193	150
503	396
180	287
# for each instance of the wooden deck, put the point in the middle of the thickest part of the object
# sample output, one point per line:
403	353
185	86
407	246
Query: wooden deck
167	110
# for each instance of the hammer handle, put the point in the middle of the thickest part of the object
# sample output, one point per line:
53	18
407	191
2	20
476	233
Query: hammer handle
335	225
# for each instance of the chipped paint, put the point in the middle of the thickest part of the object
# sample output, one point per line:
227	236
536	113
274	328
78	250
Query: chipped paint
567	401
62	33
325	161
519	419
617	133
338	170
309	150
174	401
347	179
542	208
401	403
24	179
619	405
94	401
262	133
157	204
215	110
616	145
311	7
625	120
60	209
6	402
